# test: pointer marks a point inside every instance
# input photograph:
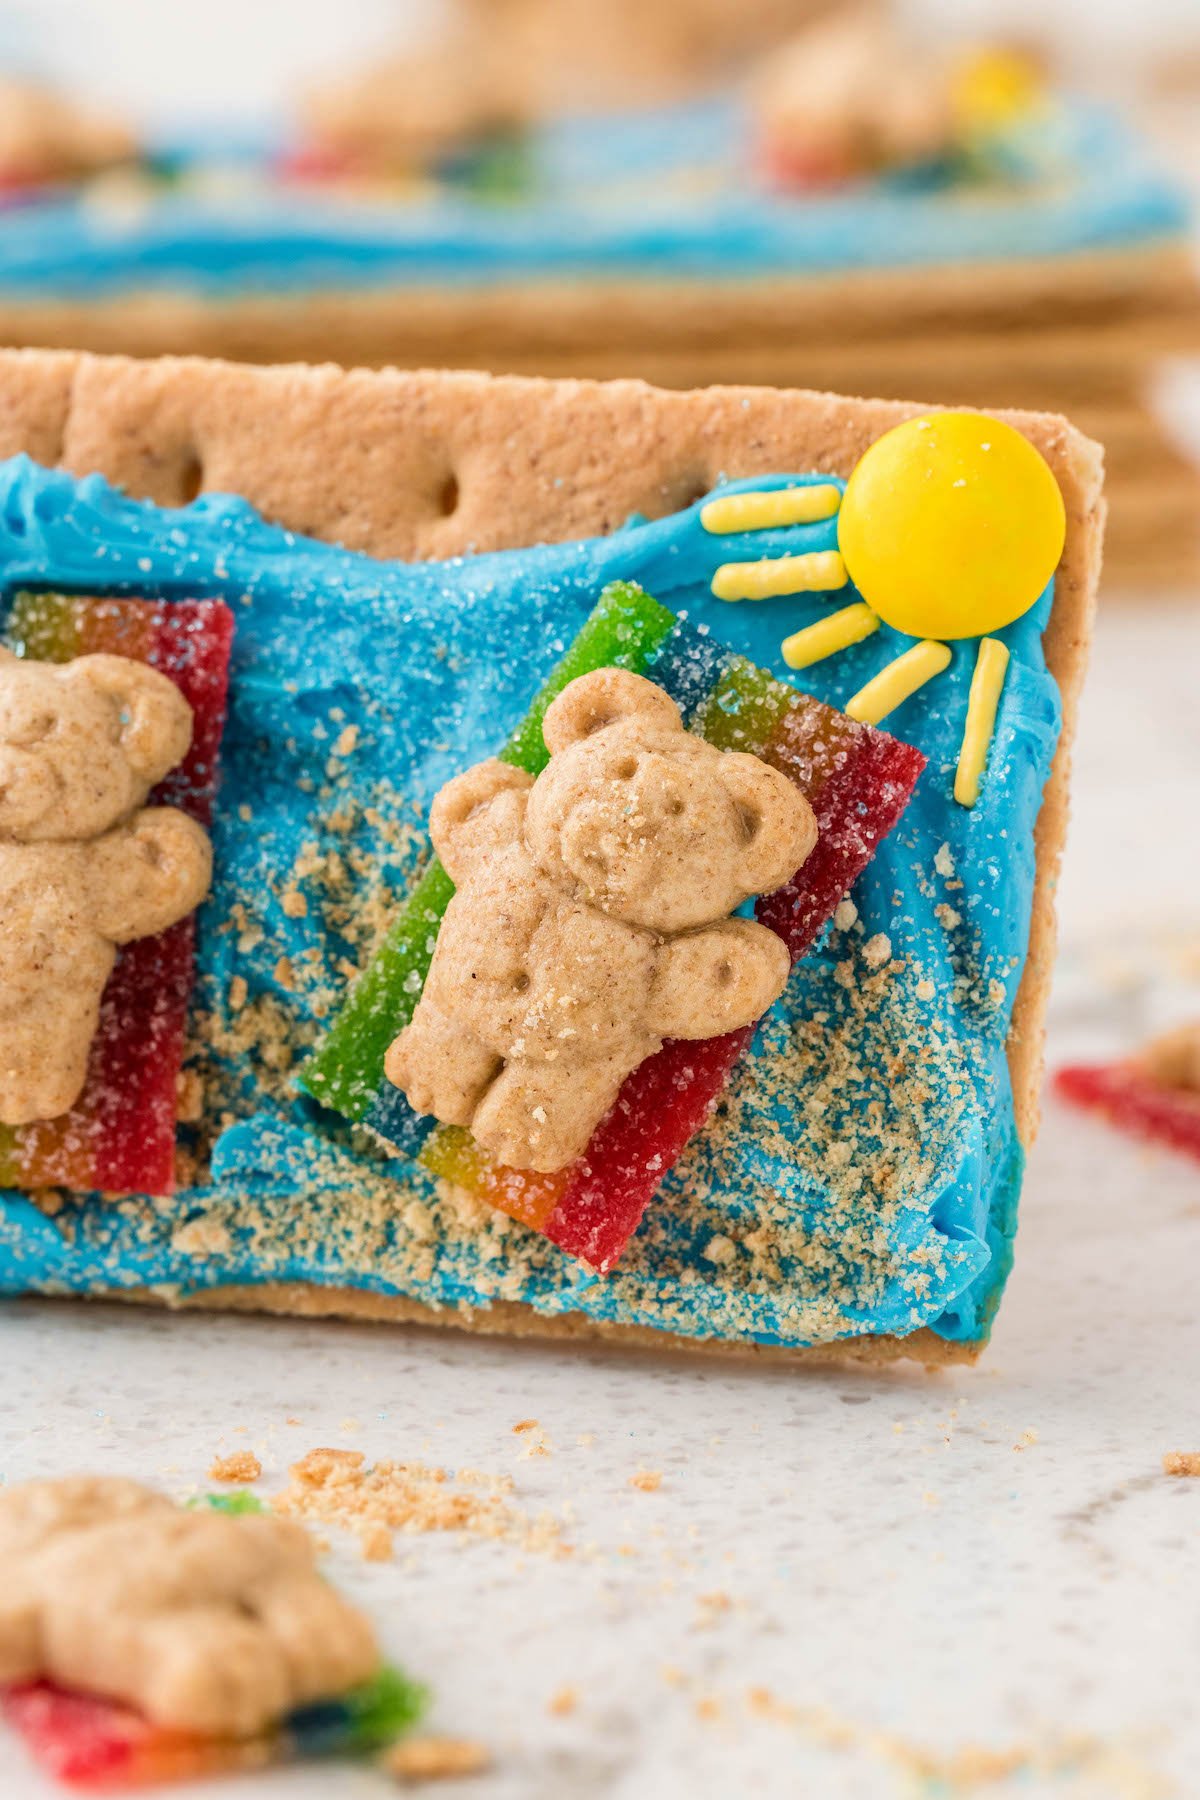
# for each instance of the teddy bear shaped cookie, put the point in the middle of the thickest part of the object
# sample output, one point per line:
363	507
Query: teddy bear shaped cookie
591	918
205	1621
84	865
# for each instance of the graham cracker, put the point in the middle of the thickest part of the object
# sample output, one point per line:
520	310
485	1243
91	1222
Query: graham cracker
432	464
1135	302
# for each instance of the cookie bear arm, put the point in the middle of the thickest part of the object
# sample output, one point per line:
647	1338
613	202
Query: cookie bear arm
478	813
716	980
147	874
779	825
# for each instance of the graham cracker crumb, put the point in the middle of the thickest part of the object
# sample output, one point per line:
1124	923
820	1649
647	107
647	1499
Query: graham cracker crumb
376	1543
238	992
878	949
189	1097
339	1487
562	1702
647	1481
201	1237
239	1467
294	905
710	1607
526	1425
1181	1462
435	1759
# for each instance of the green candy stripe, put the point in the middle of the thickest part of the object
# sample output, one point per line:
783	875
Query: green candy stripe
744	709
625	630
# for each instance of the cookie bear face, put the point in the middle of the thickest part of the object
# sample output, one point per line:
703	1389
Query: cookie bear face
652	825
82	744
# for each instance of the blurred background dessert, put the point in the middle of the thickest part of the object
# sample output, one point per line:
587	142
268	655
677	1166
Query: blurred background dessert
898	201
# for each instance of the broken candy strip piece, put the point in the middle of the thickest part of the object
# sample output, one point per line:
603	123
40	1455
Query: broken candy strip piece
624	630
94	1744
1135	1102
119	1137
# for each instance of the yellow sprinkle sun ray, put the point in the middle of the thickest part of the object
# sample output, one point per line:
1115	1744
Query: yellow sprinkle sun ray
772	507
991	666
827	636
897	681
818	571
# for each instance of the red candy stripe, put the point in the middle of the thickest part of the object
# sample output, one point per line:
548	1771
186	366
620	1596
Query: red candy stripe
1135	1103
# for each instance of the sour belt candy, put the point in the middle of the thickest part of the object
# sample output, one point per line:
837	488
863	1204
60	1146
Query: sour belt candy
119	1137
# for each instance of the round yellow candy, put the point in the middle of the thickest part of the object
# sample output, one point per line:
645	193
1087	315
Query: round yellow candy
951	525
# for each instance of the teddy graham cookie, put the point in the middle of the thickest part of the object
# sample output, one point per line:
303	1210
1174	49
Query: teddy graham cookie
632	922
591	918
144	1642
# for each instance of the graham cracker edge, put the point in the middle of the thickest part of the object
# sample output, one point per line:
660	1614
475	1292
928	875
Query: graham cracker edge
1109	307
433	464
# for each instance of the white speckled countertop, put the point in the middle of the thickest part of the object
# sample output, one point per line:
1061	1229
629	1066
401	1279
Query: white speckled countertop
972	1583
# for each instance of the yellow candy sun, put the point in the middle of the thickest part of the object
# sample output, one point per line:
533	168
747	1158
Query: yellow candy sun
951	525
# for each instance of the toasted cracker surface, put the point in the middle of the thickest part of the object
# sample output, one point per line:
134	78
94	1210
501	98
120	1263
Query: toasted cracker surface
431	464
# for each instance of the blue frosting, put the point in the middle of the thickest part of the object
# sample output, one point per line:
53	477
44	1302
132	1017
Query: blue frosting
865	1171
663	194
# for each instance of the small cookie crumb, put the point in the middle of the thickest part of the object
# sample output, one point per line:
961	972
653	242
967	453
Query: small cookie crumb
294	904
845	915
238	992
1181	1462
877	949
564	1701
435	1759
376	1543
943	862
238	1467
525	1425
647	1481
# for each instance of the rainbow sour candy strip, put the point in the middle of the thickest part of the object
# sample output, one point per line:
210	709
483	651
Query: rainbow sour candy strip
95	1745
858	781
119	1137
1133	1101
346	1072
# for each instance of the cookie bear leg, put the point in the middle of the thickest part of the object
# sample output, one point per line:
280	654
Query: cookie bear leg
441	1068
205	1669
541	1115
44	1058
